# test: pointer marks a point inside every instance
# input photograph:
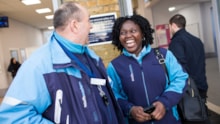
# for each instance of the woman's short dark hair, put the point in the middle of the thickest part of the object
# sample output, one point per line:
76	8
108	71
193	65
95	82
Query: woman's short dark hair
142	22
12	60
179	20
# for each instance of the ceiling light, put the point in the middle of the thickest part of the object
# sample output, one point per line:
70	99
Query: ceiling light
44	10
171	9
50	28
30	2
49	17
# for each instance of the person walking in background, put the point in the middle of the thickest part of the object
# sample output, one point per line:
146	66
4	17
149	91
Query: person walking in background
13	67
138	80
189	51
63	82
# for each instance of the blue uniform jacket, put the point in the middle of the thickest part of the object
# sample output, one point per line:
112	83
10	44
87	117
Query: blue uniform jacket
51	88
141	80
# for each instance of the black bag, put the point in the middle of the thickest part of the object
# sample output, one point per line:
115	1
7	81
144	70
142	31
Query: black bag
191	107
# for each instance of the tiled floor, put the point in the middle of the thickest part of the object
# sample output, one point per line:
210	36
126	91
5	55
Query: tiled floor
213	78
214	118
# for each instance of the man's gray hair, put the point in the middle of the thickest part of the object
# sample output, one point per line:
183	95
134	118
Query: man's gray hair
66	12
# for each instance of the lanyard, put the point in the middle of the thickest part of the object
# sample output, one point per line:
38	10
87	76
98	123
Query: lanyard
84	68
73	57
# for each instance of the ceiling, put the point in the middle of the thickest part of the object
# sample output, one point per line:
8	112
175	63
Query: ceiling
179	4
16	10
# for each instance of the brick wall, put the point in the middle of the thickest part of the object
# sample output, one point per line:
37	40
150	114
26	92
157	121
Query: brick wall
99	6
105	51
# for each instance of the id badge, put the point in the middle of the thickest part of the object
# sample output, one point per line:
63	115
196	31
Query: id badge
98	81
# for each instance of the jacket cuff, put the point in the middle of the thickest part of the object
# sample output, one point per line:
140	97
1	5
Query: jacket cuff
165	102
125	106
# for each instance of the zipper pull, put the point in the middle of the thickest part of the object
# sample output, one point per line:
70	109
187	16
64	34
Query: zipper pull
105	100
102	94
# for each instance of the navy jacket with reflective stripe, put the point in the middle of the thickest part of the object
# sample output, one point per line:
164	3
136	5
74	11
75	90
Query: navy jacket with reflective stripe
141	81
51	88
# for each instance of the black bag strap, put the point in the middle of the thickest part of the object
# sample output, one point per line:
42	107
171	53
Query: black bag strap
161	60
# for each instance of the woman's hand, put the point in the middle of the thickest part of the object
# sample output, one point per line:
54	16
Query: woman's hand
137	113
159	111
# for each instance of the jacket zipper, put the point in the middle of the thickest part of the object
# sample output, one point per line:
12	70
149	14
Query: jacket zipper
145	89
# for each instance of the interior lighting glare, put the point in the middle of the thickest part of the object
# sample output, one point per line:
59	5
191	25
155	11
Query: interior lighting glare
171	9
44	10
49	17
30	2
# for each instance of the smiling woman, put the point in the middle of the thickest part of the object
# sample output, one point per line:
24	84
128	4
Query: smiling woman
138	68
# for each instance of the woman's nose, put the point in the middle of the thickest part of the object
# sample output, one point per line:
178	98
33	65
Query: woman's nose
128	34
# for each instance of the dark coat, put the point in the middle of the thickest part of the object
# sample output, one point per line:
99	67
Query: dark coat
189	51
13	68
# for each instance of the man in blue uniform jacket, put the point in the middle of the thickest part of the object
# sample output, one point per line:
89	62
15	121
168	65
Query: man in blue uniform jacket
63	82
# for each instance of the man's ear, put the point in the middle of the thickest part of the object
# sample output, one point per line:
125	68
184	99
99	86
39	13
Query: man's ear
74	26
175	26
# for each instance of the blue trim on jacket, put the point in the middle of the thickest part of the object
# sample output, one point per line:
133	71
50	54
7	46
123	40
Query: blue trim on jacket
142	86
49	73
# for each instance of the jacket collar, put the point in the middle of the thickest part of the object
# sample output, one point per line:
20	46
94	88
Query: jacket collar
145	50
60	57
179	32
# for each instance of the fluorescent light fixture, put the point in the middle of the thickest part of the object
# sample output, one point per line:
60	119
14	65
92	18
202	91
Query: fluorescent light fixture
148	1
172	8
30	2
50	28
44	10
49	17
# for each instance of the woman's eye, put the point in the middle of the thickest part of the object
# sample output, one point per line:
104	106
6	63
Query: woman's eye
130	31
133	31
122	33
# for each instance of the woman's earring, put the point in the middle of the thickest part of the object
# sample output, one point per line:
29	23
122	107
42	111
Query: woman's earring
143	39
